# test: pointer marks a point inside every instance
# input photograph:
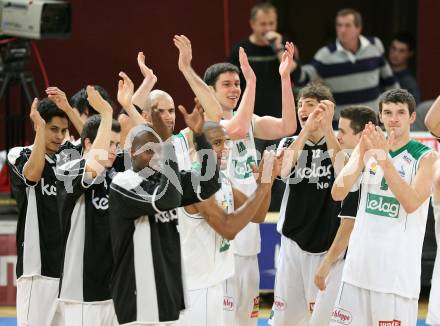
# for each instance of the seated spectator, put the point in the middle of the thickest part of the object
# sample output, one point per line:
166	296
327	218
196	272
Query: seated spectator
400	53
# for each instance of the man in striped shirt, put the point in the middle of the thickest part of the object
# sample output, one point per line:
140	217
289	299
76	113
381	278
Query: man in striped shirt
353	67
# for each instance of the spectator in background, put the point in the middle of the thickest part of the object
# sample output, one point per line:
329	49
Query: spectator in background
354	66
400	53
264	48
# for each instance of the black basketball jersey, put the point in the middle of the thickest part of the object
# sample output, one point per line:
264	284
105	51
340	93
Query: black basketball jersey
147	284
88	258
308	214
38	237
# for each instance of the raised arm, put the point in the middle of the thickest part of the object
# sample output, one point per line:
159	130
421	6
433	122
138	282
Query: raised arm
33	168
268	127
410	196
436	187
240	198
333	146
351	172
228	225
202	91
60	99
432	118
140	97
198	186
293	151
238	126
98	153
125	98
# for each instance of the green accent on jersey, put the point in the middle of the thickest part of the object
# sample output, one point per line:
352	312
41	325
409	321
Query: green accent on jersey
382	205
413	147
225	245
243	169
241	148
383	184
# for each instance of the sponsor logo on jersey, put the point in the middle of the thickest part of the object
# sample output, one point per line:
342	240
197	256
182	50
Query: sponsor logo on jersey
100	203
243	168
314	171
341	316
382	206
279	304
228	303
48	189
165	217
390	322
256	308
311	306
373	169
407	159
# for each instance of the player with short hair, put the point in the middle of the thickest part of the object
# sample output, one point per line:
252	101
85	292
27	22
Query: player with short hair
206	230
147	284
381	277
82	194
328	276
308	216
39	240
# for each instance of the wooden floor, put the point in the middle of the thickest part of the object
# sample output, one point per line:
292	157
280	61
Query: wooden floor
264	313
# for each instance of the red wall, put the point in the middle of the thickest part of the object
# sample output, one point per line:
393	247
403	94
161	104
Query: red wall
429	48
107	36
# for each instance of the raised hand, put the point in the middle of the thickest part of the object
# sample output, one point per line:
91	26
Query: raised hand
146	72
185	51
313	121
97	102
59	98
278	164
35	116
328	111
287	64
125	90
246	69
194	120
266	168
159	125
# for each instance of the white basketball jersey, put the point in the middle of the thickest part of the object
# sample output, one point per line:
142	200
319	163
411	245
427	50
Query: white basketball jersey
384	253
208	257
243	155
182	151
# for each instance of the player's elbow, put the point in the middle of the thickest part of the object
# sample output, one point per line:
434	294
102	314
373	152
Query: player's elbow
259	218
229	234
411	207
432	125
289	129
32	174
238	132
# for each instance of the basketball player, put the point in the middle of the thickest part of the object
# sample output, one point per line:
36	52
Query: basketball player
381	277
352	121
206	230
39	241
